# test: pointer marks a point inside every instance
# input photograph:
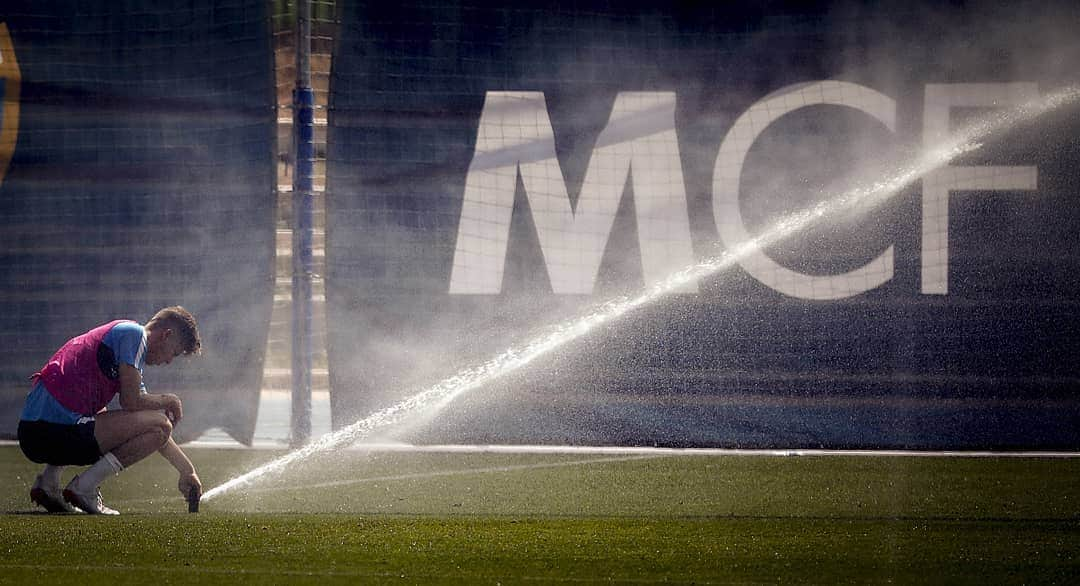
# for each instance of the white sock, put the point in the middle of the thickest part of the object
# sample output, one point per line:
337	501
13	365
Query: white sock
50	476
107	466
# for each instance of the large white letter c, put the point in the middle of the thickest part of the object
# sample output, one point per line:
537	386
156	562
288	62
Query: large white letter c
728	169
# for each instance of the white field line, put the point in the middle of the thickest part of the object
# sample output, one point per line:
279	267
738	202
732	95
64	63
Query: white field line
458	472
649	450
657	451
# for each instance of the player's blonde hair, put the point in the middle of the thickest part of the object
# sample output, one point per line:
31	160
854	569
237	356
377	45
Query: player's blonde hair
183	323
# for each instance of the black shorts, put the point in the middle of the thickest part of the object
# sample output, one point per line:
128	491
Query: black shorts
59	444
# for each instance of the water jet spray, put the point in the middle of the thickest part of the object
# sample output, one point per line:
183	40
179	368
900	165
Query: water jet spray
865	196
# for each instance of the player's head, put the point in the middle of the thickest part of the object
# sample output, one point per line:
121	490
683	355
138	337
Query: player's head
171	332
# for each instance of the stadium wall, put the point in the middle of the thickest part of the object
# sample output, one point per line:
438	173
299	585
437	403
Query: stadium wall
141	175
495	167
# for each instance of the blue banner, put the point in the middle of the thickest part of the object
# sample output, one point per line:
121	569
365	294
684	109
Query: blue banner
494	169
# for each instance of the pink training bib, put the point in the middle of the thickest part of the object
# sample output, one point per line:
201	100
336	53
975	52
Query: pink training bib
75	375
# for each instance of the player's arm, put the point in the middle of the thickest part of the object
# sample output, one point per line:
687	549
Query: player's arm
183	465
132	399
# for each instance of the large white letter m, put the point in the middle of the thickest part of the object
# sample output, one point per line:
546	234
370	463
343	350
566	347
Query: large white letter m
516	136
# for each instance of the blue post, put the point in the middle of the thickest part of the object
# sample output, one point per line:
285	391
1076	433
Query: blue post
303	214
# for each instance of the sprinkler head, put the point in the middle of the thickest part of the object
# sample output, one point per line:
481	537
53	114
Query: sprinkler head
193	499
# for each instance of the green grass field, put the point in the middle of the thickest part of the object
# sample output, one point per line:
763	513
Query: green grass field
486	518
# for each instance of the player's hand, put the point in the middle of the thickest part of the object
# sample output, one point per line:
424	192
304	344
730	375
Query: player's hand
174	409
187	481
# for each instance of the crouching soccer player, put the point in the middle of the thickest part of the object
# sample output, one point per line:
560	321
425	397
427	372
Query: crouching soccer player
64	421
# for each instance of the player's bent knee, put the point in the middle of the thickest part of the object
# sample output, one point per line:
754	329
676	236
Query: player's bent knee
164	426
115	429
159	425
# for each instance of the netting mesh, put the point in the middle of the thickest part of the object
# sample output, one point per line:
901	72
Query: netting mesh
143	176
493	168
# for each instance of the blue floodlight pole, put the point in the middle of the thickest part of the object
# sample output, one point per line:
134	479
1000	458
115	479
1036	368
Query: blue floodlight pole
303	214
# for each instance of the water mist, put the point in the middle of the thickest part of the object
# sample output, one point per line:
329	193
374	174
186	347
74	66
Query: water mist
865	196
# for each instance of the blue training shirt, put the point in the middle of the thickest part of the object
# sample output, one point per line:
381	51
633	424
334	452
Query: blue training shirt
127	340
